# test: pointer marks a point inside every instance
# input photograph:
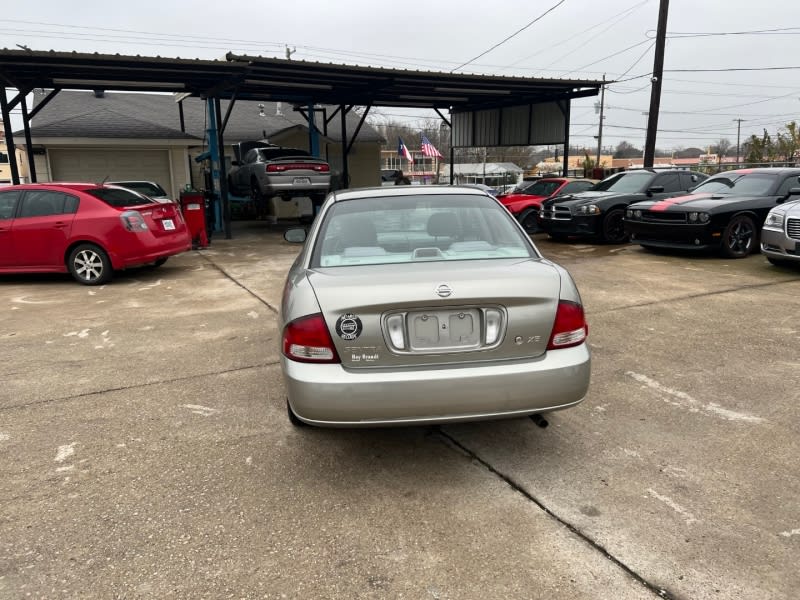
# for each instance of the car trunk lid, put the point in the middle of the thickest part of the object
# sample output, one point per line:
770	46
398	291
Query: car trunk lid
432	313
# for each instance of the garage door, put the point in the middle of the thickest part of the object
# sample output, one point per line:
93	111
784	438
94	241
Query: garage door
111	165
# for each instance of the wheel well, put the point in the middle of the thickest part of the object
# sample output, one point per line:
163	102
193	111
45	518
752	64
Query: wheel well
74	245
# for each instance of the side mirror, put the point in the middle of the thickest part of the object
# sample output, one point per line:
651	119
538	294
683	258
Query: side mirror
656	189
296	235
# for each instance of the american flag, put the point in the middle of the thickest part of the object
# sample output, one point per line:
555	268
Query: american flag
429	149
403	151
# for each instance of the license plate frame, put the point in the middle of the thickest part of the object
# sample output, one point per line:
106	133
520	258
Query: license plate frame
301	181
446	329
168	224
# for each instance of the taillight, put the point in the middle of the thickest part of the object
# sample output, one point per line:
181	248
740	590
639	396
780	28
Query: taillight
570	328
133	221
307	340
281	167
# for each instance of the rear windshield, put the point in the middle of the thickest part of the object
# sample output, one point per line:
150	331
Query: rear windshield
271	153
119	197
737	184
426	227
143	187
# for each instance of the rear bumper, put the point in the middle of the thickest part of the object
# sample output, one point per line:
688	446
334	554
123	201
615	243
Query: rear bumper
146	251
329	395
681	236
777	244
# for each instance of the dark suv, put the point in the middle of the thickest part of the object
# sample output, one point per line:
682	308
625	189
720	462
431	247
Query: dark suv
599	212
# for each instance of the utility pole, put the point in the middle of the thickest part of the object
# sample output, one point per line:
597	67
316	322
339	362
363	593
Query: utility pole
655	92
600	130
738	137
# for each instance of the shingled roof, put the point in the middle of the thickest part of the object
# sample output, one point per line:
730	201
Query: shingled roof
155	116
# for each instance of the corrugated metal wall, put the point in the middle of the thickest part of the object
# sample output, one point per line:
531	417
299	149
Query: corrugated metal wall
524	125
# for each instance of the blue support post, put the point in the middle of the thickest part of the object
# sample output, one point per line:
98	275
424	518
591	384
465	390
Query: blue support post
213	151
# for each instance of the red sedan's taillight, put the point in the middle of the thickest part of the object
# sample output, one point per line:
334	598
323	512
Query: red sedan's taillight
307	340
133	221
570	328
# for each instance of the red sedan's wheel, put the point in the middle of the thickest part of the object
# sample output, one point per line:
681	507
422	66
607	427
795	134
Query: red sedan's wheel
89	264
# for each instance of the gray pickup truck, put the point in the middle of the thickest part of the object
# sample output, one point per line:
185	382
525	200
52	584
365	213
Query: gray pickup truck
267	170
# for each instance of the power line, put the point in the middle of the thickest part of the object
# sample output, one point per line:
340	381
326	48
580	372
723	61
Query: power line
778	31
731	69
549	10
647	41
570	38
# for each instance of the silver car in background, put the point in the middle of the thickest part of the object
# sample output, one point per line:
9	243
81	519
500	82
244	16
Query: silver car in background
415	305
780	236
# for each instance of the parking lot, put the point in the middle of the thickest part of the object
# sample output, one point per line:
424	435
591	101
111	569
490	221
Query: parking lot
145	449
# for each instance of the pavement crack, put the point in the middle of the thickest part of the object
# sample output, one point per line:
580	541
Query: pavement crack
240	284
518	487
136	386
694	296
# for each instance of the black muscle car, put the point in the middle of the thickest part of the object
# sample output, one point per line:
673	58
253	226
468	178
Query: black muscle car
598	212
726	212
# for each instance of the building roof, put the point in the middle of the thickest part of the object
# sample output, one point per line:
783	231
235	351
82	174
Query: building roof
156	116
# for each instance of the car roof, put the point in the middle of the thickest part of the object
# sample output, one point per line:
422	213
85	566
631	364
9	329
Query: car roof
72	185
405	190
762	170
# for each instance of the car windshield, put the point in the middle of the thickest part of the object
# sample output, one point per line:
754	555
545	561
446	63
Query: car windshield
543	188
143	187
522	187
622	183
425	227
737	184
119	197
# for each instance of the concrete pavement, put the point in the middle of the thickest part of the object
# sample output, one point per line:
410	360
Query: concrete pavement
145	451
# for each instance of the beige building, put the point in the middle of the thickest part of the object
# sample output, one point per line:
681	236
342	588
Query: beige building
92	136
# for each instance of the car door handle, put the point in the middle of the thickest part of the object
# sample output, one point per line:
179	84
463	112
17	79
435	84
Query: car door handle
59	225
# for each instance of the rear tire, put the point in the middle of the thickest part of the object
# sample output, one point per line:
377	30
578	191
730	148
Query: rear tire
558	237
528	220
89	264
739	238
612	230
293	418
159	262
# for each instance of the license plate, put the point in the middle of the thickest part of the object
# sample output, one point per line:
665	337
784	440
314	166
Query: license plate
169	224
301	181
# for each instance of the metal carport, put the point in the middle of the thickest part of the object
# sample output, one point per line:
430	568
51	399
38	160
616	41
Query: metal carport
484	109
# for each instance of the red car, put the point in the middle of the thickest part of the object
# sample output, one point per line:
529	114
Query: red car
526	199
86	229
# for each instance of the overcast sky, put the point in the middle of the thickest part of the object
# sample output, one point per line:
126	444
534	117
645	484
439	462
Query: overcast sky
578	39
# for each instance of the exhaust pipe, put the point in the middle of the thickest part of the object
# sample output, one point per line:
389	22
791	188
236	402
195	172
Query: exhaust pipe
540	421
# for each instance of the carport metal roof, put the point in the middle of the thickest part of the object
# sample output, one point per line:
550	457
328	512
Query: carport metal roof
303	83
254	77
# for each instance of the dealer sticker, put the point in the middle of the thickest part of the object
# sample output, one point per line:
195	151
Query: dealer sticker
349	327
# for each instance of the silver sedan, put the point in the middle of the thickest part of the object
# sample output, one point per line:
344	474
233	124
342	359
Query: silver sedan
780	237
415	305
